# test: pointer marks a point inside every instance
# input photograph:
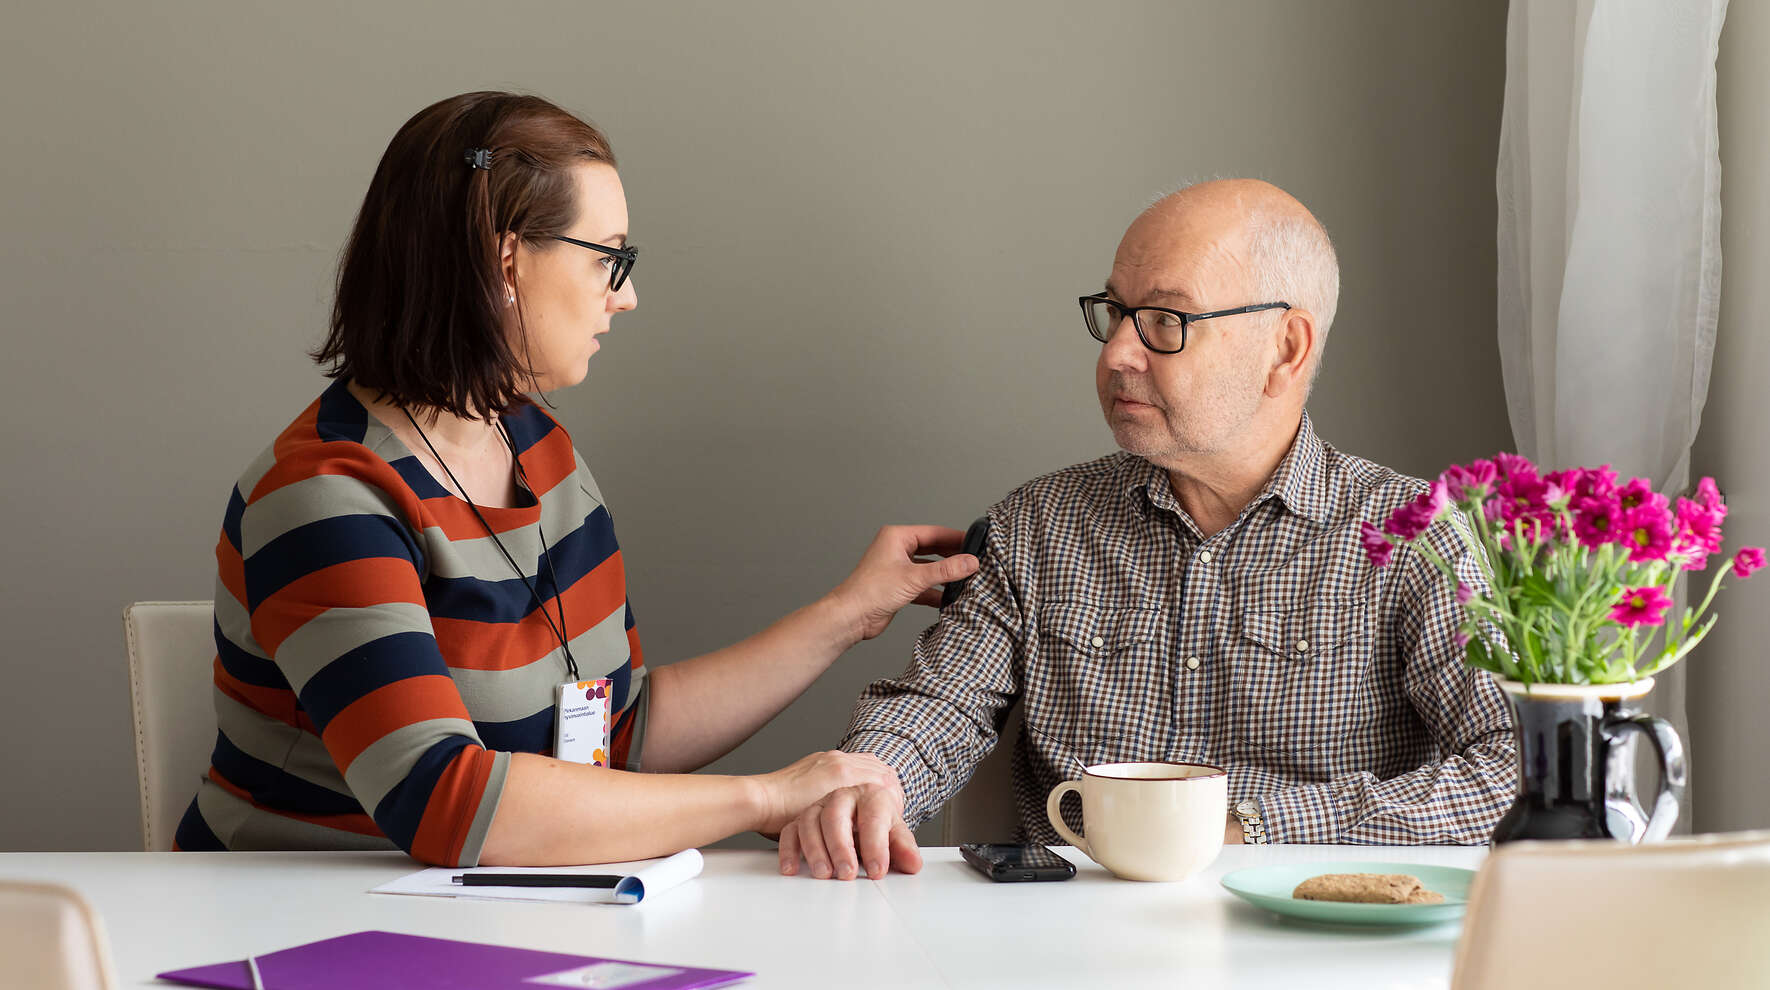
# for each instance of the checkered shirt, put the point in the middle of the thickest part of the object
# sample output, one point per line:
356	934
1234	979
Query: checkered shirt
1332	691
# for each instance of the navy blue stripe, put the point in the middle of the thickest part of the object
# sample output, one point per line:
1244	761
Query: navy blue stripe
230	520
577	554
340	416
373	665
418	478
533	734
194	834
528	425
402	809
630	622
623	681
276	788
320	544
245	667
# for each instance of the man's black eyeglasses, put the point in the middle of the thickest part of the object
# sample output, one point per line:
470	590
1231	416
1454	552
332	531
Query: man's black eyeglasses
624	259
1161	330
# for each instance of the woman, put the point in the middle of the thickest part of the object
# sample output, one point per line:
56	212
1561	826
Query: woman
418	562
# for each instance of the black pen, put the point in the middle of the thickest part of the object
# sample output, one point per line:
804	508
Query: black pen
601	880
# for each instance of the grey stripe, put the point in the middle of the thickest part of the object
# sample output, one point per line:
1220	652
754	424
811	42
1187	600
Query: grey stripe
488	808
380	768
507	695
261	465
337	631
297	753
242	827
562	513
231	616
311	500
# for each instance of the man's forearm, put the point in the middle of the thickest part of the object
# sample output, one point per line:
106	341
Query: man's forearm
1454	802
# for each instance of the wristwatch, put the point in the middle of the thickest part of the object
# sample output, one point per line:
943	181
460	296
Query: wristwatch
1253	828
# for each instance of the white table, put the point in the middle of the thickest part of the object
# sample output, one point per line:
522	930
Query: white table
945	927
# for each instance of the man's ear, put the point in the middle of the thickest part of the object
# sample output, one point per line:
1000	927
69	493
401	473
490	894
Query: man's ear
1297	346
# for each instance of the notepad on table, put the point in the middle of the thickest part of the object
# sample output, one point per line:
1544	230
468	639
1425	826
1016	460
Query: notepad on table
639	880
387	959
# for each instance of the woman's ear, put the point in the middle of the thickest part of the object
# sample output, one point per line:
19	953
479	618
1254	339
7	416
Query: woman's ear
507	264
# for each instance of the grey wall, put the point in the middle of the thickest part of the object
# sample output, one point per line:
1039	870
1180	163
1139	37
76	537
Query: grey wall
864	230
1729	680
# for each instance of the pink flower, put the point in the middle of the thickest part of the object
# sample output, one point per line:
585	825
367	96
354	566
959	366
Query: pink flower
1522	496
1644	606
1598	482
1597	520
1748	560
1647	533
1465	594
1462	639
1698	532
1376	546
1418	515
1510	465
1708	494
1468	484
1638	493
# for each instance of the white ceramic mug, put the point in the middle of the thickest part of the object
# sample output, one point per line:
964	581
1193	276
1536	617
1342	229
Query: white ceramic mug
1147	821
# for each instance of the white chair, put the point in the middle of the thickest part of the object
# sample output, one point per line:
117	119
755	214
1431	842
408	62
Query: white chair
1688	912
51	939
983	810
171	653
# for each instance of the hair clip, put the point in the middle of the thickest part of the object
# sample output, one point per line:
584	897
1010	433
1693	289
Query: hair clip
479	158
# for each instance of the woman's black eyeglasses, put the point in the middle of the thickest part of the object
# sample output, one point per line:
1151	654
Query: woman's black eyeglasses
624	259
1161	330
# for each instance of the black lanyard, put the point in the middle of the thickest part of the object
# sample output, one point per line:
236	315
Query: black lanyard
571	663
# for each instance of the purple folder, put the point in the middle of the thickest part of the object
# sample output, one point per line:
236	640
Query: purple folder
387	959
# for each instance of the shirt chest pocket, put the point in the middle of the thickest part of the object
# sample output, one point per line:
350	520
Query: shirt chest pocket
1100	675
1299	676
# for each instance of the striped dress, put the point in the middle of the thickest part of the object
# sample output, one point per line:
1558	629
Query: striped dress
377	660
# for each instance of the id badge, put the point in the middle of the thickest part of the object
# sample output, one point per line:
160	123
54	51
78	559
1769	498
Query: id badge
581	721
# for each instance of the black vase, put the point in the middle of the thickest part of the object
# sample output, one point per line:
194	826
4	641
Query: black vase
1576	765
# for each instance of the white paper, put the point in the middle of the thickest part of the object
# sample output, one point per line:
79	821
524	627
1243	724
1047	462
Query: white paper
641	879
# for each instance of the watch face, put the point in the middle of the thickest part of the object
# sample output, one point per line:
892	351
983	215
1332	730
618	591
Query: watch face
1247	809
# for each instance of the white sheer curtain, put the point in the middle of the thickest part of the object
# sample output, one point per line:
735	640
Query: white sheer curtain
1609	186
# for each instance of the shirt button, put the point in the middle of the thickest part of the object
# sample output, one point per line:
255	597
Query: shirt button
1192	663
1204	556
1302	646
1098	642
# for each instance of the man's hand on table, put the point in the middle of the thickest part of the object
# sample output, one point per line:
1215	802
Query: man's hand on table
852	830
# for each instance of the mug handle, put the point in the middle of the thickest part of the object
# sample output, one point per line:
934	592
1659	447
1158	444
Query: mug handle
1673	772
1054	811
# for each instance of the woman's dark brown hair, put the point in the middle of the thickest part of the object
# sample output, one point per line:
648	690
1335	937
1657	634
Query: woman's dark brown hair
420	312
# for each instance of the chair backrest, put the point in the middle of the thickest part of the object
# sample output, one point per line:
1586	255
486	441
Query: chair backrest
1688	912
171	657
983	810
51	939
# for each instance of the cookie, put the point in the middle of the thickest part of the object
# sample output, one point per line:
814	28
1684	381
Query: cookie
1366	888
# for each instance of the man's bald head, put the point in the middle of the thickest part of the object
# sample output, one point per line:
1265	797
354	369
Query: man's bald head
1257	228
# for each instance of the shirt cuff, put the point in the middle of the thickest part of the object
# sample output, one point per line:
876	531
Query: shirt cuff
1301	814
913	772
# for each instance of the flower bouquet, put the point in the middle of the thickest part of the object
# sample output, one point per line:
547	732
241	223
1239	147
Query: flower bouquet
1575	573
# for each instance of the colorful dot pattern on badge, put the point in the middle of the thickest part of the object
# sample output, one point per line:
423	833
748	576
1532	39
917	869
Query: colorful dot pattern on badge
595	691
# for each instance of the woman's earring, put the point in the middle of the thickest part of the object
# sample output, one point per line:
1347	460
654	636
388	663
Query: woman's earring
512	299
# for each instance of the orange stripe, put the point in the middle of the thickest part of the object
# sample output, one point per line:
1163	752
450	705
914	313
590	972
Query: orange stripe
470	644
394	706
457	521
620	744
351	584
336	457
357	823
549	461
305	429
448	814
277	703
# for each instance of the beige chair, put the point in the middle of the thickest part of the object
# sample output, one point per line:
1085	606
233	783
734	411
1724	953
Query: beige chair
51	939
1689	912
171	653
983	810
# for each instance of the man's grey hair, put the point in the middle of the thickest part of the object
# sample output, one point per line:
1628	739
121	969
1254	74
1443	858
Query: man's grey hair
1293	261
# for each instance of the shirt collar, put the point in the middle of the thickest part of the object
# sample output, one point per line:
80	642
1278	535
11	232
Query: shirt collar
1299	482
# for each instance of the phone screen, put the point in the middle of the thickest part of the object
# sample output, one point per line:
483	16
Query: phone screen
1013	856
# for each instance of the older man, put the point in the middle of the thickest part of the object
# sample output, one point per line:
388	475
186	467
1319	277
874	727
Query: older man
1200	596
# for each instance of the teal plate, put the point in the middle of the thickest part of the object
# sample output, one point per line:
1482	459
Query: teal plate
1270	887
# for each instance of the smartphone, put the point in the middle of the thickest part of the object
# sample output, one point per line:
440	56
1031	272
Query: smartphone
1006	863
